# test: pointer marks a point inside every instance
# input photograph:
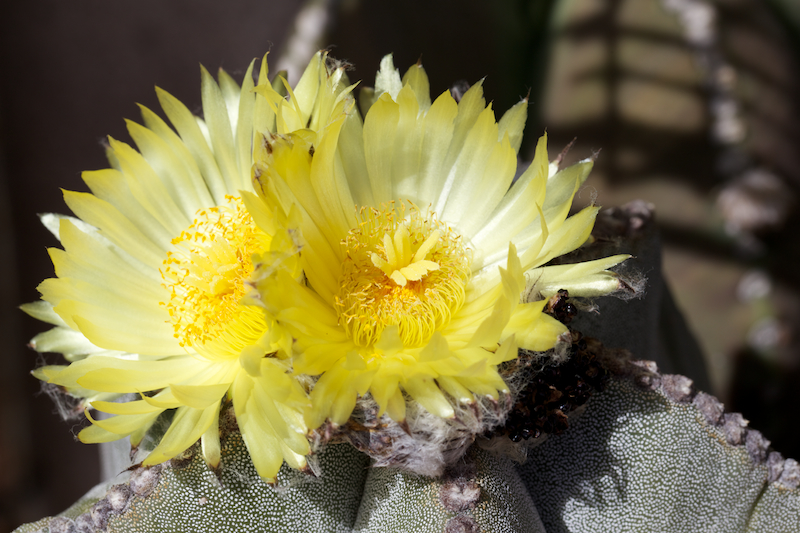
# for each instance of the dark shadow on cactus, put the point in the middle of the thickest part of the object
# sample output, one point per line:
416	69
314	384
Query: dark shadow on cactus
637	460
569	464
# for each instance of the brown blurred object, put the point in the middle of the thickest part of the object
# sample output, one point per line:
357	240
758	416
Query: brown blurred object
687	98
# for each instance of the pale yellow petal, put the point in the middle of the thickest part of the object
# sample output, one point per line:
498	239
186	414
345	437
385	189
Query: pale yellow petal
186	428
136	407
199	396
437	135
396	406
384	387
516	211
264	448
482	176
195	142
48	372
569	236
487	385
43	311
113	186
513	123
380	129
436	349
427	393
262	443
452	386
350	155
561	187
148	189
334	395
166	163
89	254
95	435
533	329
330	184
115	226
319	358
215	113
507	351
267	412
307	90
163	400
118	375
416	78
406	148
210	445
466	187
470	107
263	110
387	80
589	278
244	127
63	340
230	93
123	424
98	319
194	178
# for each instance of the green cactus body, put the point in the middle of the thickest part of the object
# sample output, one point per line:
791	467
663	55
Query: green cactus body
646	455
482	493
638	461
192	498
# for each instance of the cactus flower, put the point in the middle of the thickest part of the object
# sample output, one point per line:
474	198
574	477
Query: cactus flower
147	301
424	261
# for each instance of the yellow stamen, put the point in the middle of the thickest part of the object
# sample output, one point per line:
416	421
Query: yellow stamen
206	271
405	270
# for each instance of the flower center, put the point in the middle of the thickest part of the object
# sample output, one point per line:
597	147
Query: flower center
404	269
205	275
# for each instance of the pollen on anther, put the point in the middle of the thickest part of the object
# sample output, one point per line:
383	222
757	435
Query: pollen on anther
205	272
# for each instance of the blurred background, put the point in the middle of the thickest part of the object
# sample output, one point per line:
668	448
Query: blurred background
694	104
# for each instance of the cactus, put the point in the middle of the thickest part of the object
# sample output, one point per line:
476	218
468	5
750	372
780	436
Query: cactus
644	450
647	454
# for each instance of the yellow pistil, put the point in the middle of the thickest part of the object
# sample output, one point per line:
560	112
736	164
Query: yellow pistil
206	271
408	270
399	265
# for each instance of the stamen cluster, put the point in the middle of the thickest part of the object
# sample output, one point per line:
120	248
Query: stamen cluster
404	269
206	271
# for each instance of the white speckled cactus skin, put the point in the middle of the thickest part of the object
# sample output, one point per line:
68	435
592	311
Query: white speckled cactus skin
640	458
639	461
646	455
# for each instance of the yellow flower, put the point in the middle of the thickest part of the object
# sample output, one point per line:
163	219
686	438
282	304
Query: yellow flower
424	260
152	274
